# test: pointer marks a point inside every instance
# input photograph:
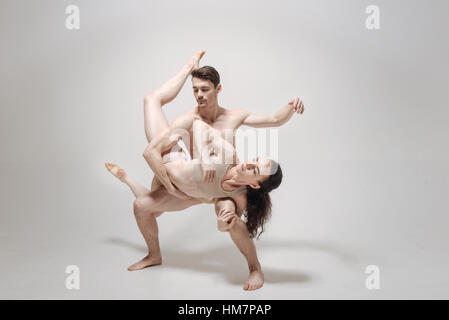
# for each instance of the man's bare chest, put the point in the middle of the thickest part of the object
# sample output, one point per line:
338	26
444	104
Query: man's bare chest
225	127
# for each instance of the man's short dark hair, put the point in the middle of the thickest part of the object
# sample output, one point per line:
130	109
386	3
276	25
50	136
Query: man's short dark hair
207	73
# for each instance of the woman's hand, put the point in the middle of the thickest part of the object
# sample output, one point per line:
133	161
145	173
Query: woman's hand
226	220
209	172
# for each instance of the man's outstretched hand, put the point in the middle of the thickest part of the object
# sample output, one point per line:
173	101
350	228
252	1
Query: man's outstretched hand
297	105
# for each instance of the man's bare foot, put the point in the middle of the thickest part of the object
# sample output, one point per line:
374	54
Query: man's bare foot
194	61
145	262
255	280
116	171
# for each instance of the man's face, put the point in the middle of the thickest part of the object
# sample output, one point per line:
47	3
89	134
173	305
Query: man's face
205	93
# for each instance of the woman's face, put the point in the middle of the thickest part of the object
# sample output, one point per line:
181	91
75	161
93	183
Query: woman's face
254	171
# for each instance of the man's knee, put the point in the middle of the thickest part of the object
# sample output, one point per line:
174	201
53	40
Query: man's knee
142	205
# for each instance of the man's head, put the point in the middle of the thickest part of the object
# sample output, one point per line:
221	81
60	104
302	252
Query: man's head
206	86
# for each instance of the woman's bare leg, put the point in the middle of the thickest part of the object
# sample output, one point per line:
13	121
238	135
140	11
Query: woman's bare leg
154	119
136	187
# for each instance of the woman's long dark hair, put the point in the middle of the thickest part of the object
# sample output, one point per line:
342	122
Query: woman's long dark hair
258	207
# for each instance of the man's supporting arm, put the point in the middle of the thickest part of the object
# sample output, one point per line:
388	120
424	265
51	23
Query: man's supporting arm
164	141
225	210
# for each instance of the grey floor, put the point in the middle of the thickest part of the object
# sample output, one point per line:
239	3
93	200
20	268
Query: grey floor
366	171
316	248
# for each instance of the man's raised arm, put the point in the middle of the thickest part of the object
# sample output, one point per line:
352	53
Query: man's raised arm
274	120
164	141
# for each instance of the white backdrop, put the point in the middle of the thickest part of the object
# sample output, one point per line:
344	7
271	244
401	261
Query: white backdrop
365	167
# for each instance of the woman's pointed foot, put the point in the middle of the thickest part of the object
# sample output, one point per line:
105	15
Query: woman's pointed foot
116	171
194	61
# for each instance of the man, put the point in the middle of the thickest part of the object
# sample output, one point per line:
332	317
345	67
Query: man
206	87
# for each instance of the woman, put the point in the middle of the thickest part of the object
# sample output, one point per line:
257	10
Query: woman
247	183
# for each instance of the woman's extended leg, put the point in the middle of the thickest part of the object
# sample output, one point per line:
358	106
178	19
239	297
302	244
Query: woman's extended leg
136	188
154	119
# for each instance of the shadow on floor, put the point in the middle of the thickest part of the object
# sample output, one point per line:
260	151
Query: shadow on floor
228	261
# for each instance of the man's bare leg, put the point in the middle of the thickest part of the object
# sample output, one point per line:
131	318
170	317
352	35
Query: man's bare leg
145	221
146	209
241	237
